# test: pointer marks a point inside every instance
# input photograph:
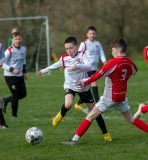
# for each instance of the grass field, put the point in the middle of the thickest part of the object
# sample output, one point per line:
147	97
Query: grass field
44	100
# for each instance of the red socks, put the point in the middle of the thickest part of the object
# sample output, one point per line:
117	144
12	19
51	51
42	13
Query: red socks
83	127
141	125
144	109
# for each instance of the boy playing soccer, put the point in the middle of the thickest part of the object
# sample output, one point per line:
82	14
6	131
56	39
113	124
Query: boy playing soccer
94	52
117	71
75	66
15	73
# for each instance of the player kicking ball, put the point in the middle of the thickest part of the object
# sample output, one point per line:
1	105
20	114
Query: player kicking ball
117	72
76	65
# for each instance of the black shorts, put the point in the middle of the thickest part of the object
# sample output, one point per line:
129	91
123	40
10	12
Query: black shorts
90	73
86	97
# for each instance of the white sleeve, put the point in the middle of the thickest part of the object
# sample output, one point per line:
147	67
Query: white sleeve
7	55
102	55
82	47
5	67
2	56
53	66
86	66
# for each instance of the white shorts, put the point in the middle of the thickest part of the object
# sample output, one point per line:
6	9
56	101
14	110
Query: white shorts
103	104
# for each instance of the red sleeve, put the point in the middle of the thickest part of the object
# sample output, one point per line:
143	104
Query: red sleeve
145	53
105	70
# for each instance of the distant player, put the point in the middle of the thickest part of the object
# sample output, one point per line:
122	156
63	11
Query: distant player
15	73
143	107
117	72
76	65
94	52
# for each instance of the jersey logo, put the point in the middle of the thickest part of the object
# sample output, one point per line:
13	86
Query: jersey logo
78	60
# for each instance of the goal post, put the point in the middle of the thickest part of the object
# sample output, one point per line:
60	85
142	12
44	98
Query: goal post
46	24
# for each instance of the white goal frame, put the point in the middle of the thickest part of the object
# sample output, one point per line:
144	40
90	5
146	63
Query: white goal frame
47	34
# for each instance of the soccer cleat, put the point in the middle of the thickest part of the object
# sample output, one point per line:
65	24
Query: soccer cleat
70	143
57	119
107	137
139	113
4	126
78	106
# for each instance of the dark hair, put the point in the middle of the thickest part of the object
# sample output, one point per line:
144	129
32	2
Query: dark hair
92	28
119	43
15	34
71	40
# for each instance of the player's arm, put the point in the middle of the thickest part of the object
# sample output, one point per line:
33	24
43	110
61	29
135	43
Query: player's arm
105	70
2	56
24	67
82	47
102	55
51	67
7	67
85	66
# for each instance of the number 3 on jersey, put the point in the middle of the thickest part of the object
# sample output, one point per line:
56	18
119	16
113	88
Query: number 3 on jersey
124	72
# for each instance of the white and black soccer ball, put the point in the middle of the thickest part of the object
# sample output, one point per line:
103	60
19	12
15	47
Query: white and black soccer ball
34	135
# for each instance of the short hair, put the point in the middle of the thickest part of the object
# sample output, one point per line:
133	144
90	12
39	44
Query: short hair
71	40
92	28
15	34
119	43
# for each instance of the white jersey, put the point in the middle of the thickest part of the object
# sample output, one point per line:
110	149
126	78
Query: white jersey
72	77
94	51
16	58
2	56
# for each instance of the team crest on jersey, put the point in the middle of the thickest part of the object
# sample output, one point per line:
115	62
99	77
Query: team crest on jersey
22	54
96	46
67	90
13	87
78	60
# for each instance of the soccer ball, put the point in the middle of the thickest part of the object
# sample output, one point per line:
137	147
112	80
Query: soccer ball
34	135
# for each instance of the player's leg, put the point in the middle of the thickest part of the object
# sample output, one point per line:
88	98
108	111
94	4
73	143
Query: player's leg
6	100
95	91
69	98
22	86
135	121
84	125
88	99
2	121
142	108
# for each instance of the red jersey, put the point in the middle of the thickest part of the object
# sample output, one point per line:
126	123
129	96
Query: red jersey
117	72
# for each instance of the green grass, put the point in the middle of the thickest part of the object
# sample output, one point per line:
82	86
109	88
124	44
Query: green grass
44	100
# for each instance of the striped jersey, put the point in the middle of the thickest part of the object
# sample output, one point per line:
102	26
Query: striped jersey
117	72
16	58
72	77
94	52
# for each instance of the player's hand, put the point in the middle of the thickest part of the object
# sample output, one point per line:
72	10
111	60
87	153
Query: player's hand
1	63
25	76
16	71
80	85
73	68
40	72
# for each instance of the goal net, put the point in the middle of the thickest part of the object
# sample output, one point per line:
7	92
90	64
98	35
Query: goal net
35	33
